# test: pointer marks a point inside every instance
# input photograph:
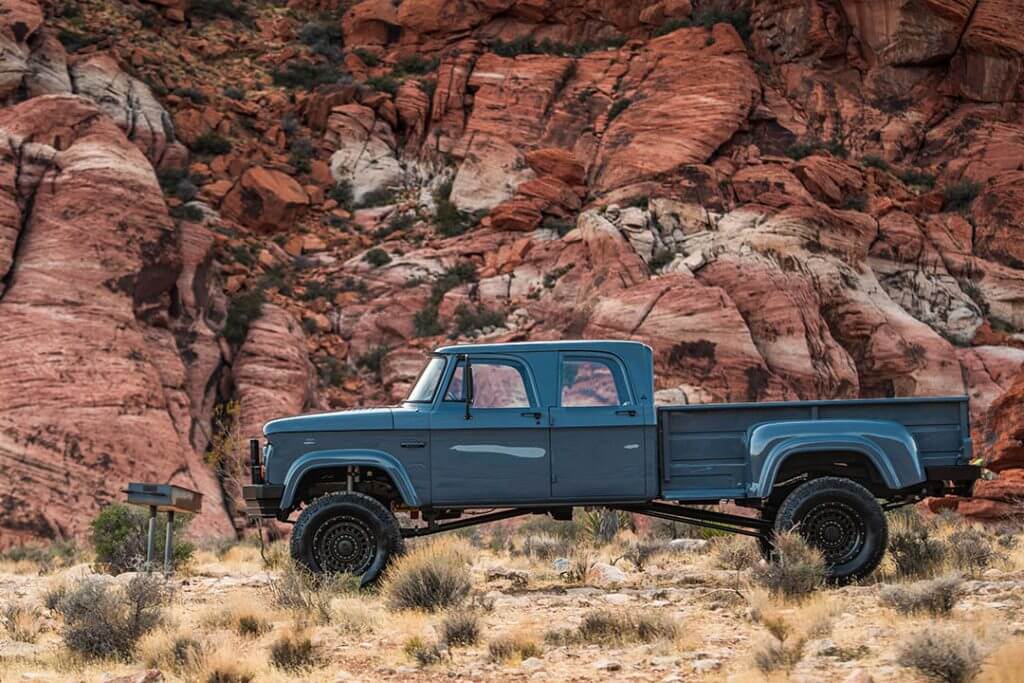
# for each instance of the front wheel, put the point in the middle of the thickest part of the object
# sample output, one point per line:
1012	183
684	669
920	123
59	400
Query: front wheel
843	520
348	533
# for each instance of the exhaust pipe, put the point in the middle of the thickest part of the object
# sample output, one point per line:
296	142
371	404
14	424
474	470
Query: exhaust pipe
254	461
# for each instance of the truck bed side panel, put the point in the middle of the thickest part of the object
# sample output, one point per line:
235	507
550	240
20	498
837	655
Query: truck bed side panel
705	453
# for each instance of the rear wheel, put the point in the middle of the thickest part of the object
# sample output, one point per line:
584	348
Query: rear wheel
840	518
349	533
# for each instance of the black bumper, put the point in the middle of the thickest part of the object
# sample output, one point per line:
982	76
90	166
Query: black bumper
262	500
956	479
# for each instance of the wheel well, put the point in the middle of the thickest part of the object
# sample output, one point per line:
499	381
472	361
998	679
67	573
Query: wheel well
366	479
800	467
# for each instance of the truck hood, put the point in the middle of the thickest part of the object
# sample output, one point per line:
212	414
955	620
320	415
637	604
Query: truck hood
374	419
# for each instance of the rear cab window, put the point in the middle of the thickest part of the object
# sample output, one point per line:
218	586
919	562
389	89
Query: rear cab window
592	382
497	383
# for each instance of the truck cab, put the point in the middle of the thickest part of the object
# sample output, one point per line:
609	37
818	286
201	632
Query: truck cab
540	427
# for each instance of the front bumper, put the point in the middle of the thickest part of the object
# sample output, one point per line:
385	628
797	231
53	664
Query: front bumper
262	500
954	479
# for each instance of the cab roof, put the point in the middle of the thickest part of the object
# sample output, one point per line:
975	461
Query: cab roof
616	346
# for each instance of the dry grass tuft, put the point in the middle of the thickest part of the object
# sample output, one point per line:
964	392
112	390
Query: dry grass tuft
22	623
354	615
433	576
734	552
169	650
915	550
796	569
936	597
509	648
308	594
972	551
581	561
543	547
460	628
241	614
608	627
422	652
222	663
294	650
943	654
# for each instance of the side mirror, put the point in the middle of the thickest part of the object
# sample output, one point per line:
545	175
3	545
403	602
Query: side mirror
467	380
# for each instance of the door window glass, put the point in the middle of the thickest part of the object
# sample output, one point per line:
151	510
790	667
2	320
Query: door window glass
496	384
591	382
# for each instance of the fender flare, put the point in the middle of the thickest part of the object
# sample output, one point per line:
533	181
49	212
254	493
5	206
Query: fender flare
897	463
330	459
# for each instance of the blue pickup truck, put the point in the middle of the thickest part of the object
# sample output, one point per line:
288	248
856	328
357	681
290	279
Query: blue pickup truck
540	427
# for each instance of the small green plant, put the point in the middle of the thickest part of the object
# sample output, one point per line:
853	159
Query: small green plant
341	192
916	178
384	84
194	95
431	577
415	64
803	148
854	202
323	38
942	654
211	144
119	532
796	569
460	628
377	257
470	319
234	92
368	58
936	597
299	73
661	258
960	195
212	9
914	550
875	161
244	308
381	197
559	225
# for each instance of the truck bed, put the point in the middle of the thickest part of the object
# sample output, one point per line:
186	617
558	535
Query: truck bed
706	451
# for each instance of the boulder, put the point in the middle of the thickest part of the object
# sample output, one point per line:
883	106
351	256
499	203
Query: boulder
365	150
266	200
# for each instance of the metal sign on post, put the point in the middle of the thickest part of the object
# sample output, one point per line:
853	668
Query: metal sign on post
163	498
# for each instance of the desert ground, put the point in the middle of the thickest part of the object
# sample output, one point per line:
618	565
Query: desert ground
545	601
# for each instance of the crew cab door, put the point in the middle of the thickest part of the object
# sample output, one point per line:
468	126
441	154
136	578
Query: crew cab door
501	455
597	431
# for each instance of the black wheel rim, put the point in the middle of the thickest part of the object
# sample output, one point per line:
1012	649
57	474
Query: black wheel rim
345	544
836	530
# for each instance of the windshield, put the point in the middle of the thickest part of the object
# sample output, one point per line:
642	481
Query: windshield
426	385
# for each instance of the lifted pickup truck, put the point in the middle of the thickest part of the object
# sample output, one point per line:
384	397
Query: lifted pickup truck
542	427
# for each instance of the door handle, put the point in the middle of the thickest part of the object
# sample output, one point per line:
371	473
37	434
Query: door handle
536	415
630	412
413	444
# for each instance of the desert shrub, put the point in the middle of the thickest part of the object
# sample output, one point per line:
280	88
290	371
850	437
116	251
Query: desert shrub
118	535
772	655
176	651
234	92
380	197
243	310
367	57
796	568
912	176
734	552
294	651
384	84
341	192
971	550
528	45
421	651
323	38
299	73
212	9
619	106
960	195
308	594
194	95
509	647
21	623
913	548
581	561
211	144
942	654
600	526
543	546
460	628
332	372
875	161
373	359
103	620
252	626
432	576
802	148
471	319
48	557
854	202
300	152
936	596
425	322
611	627
415	64
377	257
639	552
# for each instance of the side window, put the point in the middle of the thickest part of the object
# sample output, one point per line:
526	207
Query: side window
592	382
496	384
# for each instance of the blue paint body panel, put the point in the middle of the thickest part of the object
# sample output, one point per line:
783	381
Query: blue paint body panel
627	451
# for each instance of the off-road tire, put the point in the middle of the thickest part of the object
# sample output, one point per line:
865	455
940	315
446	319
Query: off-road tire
346	532
843	520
